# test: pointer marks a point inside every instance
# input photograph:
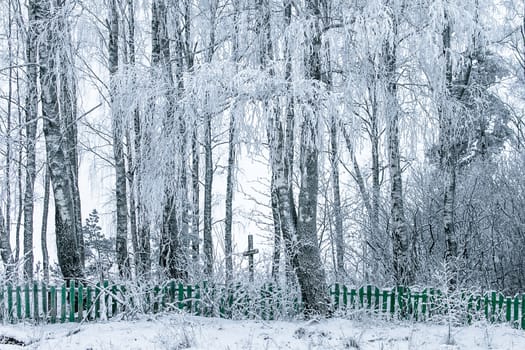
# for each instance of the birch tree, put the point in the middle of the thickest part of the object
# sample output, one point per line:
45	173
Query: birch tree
67	228
118	148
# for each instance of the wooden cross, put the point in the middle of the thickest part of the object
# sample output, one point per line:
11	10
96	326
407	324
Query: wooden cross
250	253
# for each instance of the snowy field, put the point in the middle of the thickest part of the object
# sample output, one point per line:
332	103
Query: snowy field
175	332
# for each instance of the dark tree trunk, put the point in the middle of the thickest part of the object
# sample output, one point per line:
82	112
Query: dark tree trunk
118	147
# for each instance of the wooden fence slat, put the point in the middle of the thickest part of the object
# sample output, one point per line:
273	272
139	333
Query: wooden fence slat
523	311
106	298
172	292
508	307
516	310
415	314
376	299
53	304
80	302
27	302
336	296
63	304
89	303
180	296
189	301
385	301
470	309
72	301
18	296
353	294
45	306
114	291
10	308
2	303
98	295
424	301
36	311
392	302
156	291
487	306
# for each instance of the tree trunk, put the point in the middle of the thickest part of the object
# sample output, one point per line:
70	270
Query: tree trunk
228	247
67	100
208	181
338	216
43	235
448	160
160	53
402	263
310	272
6	226
208	157
142	244
5	245
195	218
62	176
118	148
31	127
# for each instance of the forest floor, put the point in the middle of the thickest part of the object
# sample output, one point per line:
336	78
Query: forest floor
177	332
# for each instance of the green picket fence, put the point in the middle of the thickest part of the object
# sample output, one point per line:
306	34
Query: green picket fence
429	304
76	302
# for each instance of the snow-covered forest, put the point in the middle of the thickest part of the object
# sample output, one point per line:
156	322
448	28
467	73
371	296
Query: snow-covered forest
363	141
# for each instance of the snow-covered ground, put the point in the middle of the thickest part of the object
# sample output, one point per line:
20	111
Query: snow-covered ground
188	332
